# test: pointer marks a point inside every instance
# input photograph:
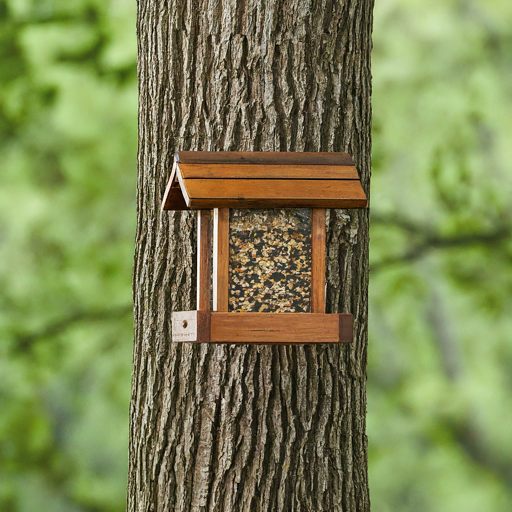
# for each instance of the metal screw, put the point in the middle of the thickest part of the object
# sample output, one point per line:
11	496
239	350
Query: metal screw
185	324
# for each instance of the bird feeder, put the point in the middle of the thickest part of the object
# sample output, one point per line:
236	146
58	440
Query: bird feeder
261	244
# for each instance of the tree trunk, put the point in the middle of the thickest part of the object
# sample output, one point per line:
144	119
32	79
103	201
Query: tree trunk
247	428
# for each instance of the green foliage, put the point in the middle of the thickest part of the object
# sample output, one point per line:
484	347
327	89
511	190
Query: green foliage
441	255
440	384
68	138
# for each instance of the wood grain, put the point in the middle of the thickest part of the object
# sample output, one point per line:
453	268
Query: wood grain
268	171
273	189
261	328
204	263
220	259
203	193
264	157
246	193
268	185
174	200
297	328
318	261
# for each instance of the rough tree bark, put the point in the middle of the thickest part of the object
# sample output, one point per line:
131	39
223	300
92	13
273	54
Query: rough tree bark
247	428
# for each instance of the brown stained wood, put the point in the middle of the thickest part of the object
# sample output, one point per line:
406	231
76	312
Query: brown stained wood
274	189
261	328
268	171
204	263
201	204
318	261
265	157
207	186
204	326
279	328
173	199
220	259
177	202
245	193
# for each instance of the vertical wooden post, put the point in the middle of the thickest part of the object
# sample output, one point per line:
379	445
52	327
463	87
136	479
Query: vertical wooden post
220	259
318	260
204	259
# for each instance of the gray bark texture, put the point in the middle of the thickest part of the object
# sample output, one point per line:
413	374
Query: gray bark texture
247	428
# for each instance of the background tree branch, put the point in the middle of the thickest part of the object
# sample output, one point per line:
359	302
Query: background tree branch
24	341
427	239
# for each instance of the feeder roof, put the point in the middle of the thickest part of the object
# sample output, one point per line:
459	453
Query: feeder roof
227	179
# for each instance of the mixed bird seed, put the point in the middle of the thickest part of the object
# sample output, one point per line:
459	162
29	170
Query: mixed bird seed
270	260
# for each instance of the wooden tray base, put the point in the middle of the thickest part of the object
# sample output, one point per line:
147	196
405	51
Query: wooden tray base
261	328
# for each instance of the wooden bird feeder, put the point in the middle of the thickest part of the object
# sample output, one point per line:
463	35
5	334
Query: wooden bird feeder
267	240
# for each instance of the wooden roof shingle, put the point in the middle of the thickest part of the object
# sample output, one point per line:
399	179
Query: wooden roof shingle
227	179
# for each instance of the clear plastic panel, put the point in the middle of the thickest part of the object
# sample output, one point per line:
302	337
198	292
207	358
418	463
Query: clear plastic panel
270	260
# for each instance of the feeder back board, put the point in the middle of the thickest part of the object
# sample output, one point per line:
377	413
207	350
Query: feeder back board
261	254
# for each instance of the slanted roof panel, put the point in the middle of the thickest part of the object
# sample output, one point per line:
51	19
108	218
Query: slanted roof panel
202	180
270	171
247	193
